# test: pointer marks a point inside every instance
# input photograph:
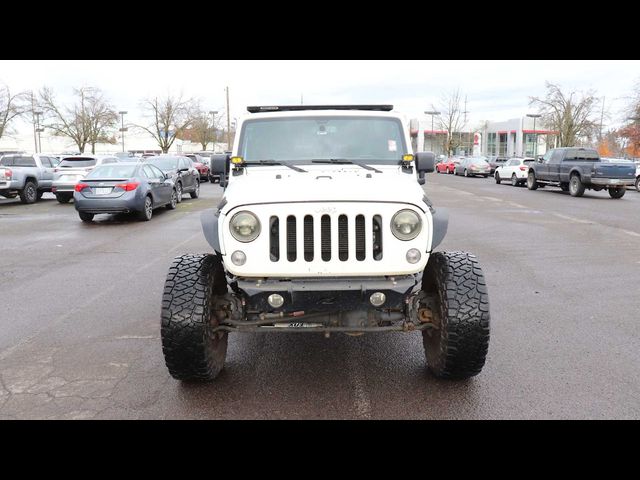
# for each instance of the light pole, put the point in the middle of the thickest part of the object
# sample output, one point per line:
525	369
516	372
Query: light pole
122	129
38	130
535	145
432	132
213	126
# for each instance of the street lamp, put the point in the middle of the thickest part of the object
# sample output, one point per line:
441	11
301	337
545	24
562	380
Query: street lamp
432	132
122	129
535	145
213	126
38	130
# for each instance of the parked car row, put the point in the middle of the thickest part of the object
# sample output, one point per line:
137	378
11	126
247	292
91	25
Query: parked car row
573	169
103	183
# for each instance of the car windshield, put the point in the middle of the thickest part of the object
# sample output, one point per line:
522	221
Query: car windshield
80	162
164	163
372	139
113	171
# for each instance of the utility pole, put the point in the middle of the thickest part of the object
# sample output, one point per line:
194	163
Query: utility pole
122	129
33	117
601	118
228	122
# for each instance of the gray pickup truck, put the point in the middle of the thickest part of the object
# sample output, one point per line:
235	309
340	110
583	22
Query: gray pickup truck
26	175
576	169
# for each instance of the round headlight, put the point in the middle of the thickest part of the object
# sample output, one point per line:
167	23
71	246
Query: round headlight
244	226
406	225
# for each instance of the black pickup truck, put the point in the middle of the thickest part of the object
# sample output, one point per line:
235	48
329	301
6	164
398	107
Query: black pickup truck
575	169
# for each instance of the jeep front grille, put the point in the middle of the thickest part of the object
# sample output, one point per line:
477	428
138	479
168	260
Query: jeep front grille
351	231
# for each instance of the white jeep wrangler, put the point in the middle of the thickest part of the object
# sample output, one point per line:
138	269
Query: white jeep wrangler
324	227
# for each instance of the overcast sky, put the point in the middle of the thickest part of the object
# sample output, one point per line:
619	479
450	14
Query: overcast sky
496	90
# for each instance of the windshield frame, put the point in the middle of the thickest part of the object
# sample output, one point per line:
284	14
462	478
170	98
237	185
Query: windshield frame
401	150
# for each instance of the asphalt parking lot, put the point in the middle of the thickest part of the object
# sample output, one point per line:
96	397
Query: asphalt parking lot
80	319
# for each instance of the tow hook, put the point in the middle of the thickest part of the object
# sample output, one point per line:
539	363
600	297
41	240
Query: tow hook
425	315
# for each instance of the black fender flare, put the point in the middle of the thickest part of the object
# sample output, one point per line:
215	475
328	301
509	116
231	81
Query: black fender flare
440	219
209	221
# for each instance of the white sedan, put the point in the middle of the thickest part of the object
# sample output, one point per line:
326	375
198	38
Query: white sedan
515	170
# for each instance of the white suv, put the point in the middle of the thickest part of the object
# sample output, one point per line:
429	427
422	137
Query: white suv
324	227
515	170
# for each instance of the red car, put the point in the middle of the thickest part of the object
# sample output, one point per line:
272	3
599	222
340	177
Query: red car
203	170
446	166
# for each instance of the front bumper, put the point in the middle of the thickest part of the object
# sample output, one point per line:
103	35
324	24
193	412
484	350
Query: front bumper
613	182
314	295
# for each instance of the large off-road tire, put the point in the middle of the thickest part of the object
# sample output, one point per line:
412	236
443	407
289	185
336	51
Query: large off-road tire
29	194
576	187
458	347
196	192
191	350
532	183
617	192
64	197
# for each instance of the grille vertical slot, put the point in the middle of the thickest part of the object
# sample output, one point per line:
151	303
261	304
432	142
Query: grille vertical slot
291	238
308	238
325	232
343	238
274	239
377	237
360	241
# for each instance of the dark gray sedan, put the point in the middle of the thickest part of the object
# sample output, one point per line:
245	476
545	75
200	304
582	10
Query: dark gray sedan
182	172
124	188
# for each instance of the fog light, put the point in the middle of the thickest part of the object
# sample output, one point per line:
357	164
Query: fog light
377	299
238	257
413	255
275	300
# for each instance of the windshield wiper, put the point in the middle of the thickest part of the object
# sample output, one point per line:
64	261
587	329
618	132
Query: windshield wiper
273	162
344	161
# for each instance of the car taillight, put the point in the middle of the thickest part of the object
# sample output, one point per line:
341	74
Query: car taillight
8	174
524	169
81	186
127	187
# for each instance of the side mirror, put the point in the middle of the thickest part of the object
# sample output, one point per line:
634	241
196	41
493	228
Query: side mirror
220	166
425	163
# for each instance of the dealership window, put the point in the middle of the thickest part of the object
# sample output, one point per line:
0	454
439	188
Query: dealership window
491	144
529	144
502	145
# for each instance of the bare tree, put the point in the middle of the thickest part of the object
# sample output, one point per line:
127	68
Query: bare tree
631	132
103	118
568	114
450	118
202	129
169	117
11	106
87	121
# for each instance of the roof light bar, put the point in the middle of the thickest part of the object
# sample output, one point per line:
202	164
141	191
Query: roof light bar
289	108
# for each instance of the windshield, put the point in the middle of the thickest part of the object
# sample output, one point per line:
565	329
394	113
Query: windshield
113	171
373	139
77	162
164	163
